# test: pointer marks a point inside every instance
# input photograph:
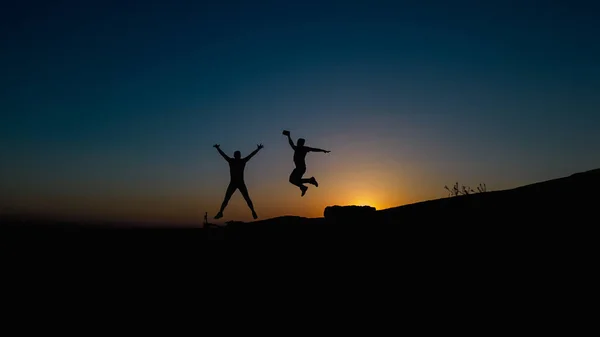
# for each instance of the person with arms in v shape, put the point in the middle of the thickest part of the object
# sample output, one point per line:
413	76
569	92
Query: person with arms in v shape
300	152
236	173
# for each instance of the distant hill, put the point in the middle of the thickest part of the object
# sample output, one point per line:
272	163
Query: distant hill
538	207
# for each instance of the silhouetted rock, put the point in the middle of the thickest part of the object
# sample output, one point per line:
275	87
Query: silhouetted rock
349	214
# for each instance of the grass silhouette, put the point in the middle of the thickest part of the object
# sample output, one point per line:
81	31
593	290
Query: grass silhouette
464	190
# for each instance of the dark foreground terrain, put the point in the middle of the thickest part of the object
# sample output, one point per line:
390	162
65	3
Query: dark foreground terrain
533	212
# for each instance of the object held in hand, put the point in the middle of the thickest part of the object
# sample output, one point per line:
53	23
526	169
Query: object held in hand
286	133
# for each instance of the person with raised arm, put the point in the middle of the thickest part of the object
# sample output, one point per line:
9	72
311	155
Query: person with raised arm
237	164
300	152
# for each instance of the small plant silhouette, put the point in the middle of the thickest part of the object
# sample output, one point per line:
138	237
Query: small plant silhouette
464	190
481	188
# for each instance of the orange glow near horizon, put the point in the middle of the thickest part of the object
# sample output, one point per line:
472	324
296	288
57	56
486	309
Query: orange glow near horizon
379	188
372	186
355	173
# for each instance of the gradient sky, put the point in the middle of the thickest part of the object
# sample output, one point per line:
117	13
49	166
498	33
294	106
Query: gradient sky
110	108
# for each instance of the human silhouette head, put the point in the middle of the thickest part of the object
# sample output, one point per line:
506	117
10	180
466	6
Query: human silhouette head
301	141
237	155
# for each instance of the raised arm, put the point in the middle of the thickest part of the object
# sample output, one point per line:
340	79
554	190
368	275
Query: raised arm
258	147
218	147
313	149
291	142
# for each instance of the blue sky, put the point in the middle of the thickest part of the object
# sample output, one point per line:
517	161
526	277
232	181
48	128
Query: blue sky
107	103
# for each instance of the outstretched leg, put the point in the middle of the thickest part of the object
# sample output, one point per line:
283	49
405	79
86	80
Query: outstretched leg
230	190
244	191
311	181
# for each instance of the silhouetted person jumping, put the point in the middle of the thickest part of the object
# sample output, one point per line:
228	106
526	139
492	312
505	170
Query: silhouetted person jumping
236	172
300	152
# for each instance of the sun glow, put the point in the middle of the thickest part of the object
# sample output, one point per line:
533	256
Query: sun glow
364	201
